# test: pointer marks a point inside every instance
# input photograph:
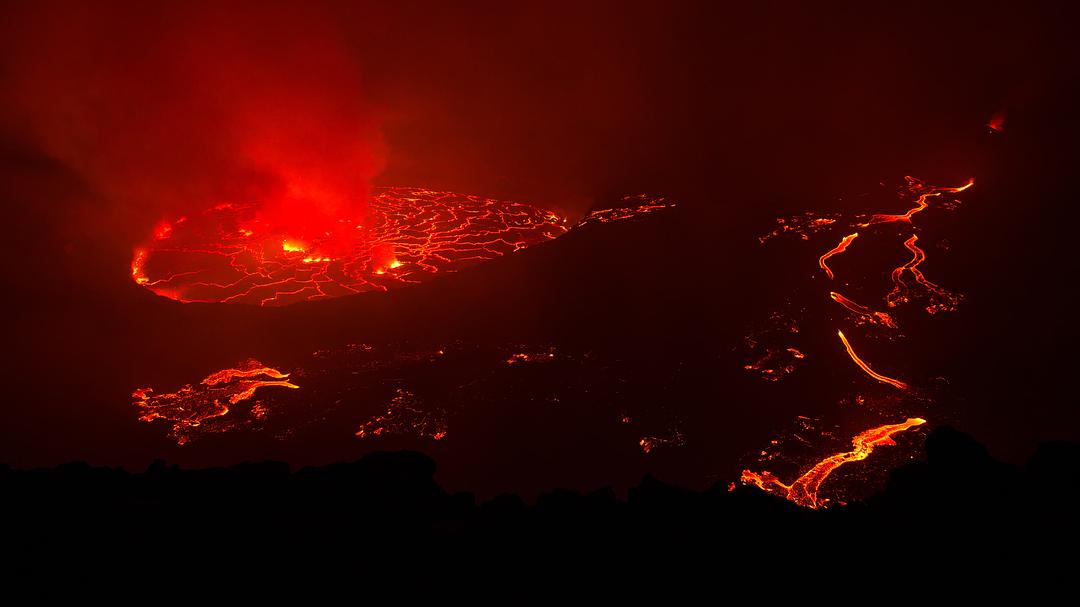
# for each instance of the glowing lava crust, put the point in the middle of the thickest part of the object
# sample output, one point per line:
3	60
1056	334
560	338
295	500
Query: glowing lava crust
227	254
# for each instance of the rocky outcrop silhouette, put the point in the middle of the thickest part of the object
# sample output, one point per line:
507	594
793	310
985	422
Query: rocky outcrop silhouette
390	501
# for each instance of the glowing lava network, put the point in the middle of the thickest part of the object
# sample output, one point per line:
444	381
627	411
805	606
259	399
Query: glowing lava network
940	299
862	312
804	490
924	192
191	406
227	254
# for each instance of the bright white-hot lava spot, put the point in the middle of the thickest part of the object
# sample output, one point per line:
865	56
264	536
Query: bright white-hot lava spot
227	254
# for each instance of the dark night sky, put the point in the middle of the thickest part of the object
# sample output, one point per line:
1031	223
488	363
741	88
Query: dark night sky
741	113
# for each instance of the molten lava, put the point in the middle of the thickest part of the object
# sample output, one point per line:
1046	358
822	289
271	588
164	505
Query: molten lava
776	363
229	254
540	356
923	193
863	313
772	366
641	204
865	367
191	406
840	248
940	300
804	490
406	415
804	225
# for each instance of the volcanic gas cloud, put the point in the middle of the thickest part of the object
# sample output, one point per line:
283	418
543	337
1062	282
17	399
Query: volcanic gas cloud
170	110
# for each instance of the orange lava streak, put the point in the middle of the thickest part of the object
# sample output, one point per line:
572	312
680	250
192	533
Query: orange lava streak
227	375
804	490
862	365
941	300
919	256
927	192
863	311
641	205
190	406
840	248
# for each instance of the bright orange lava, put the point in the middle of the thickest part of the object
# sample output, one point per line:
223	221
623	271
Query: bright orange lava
804	225
862	365
840	248
804	490
227	254
865	313
924	193
190	406
642	205
531	357
940	299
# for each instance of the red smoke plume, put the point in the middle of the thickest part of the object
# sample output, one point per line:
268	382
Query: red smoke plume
176	108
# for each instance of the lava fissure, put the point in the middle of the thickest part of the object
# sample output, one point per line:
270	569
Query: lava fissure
941	300
840	248
865	367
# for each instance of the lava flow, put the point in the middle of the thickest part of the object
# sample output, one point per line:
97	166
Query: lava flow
804	225
924	193
865	367
804	490
190	406
864	313
644	205
940	299
840	248
227	254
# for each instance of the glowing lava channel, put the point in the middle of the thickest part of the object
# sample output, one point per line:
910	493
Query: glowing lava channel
190	406
840	248
924	192
865	367
863	312
941	300
804	490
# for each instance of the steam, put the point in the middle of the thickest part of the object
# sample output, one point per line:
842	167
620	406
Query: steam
174	109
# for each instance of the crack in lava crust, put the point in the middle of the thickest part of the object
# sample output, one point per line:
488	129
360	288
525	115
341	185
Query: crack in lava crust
226	254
